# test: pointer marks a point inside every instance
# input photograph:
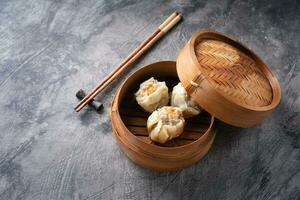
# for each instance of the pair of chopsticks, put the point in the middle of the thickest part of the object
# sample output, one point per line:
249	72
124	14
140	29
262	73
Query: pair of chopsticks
171	21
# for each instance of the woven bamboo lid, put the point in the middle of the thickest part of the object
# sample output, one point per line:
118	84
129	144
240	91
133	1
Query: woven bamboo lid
227	79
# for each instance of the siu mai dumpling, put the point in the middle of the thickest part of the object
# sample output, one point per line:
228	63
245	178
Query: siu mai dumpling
182	100
152	94
165	124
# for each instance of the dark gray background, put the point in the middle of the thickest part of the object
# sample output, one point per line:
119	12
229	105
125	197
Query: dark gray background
50	49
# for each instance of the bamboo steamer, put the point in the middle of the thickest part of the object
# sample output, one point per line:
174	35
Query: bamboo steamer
129	126
229	81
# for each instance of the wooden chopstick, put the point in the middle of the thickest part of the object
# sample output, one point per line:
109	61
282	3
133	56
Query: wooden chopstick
173	19
174	14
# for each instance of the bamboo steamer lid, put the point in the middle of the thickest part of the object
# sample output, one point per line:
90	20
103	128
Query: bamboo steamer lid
227	79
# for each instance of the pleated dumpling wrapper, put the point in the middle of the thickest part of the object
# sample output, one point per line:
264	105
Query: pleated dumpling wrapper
165	124
152	94
182	100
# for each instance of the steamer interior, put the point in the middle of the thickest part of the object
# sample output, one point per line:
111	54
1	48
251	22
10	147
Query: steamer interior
135	119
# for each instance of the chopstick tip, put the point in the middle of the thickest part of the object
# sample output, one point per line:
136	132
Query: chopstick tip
178	14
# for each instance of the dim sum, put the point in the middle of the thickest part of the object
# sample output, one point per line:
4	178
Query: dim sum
165	124
152	94
182	100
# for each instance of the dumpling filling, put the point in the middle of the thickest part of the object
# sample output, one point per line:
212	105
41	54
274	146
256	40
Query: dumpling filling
152	94
182	100
165	124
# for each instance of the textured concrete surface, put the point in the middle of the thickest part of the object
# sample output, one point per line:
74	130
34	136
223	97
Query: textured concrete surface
50	49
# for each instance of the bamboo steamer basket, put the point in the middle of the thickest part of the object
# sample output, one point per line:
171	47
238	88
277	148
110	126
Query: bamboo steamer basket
229	81
129	126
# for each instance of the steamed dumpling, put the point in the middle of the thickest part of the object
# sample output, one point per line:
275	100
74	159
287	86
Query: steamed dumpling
182	100
152	94
165	124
